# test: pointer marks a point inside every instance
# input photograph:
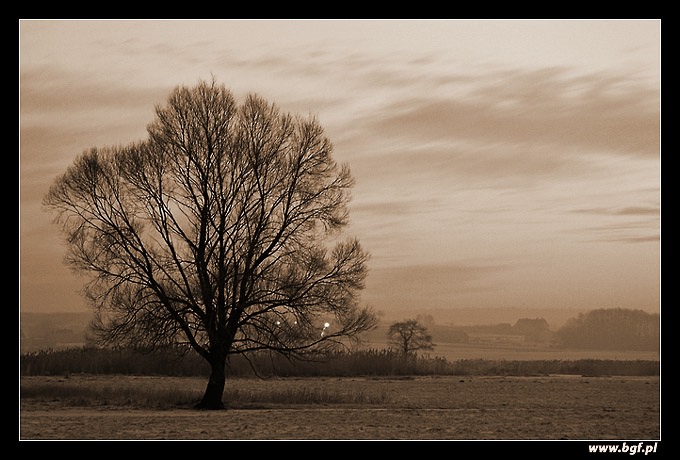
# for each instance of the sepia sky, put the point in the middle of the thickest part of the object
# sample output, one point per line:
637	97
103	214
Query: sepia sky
498	163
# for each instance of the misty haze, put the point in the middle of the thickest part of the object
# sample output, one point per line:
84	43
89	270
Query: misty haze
326	229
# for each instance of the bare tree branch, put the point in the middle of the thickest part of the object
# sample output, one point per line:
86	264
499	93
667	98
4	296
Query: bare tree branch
214	232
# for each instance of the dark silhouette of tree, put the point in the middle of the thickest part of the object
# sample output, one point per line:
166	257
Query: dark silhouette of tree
409	337
214	234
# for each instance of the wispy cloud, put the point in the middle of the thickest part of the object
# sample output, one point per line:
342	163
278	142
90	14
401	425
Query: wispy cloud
629	224
626	211
638	239
593	112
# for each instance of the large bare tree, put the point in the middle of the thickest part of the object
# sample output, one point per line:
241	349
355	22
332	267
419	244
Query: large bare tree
219	232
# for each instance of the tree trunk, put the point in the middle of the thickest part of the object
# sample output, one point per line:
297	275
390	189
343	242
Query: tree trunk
212	398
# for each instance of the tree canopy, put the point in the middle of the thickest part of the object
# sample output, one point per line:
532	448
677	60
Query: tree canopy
611	329
409	336
220	232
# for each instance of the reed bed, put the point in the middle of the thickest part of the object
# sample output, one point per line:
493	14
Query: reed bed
371	362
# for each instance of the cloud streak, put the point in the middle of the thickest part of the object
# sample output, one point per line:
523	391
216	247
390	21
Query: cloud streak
547	108
627	211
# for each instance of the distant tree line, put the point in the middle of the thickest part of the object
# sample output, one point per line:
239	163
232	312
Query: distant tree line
611	329
600	329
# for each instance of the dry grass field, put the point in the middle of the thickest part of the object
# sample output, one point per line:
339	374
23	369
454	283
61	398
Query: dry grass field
88	407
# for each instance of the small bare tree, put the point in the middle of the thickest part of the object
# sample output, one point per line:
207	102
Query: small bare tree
409	337
214	234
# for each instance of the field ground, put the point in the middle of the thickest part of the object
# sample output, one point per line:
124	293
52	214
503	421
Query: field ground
553	407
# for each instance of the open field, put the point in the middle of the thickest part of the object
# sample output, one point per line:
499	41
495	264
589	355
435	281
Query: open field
554	407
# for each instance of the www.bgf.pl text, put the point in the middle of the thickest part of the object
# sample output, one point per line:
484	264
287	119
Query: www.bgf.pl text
632	449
